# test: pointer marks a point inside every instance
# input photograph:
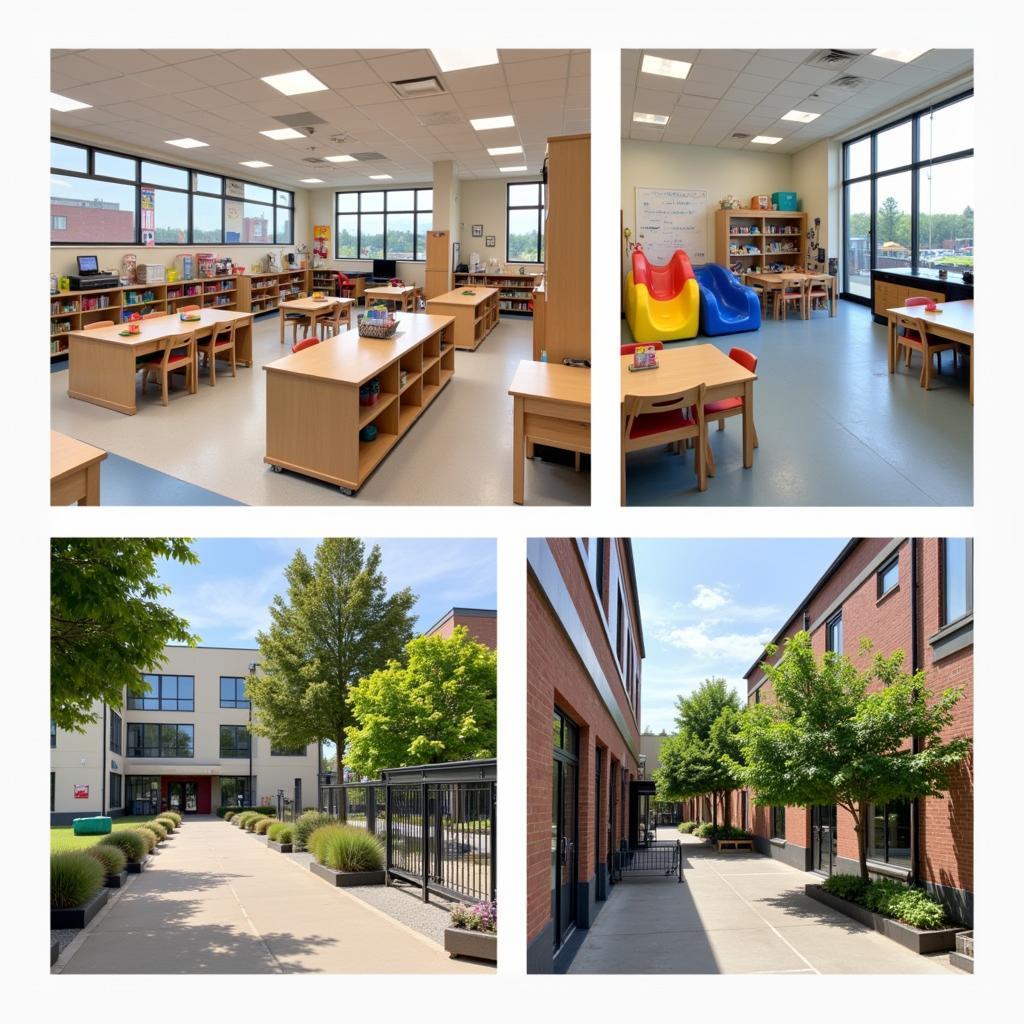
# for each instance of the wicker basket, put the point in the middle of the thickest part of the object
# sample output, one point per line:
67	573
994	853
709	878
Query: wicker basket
380	329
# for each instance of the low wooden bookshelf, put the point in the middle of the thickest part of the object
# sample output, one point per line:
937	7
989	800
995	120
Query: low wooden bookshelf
515	291
475	315
750	241
261	293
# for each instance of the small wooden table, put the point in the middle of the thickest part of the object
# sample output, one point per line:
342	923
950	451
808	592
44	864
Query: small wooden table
772	282
400	297
102	366
475	314
551	406
315	310
682	368
953	321
74	471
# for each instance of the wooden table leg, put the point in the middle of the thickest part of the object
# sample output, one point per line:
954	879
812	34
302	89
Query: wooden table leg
892	345
92	486
518	450
748	424
281	314
971	357
835	296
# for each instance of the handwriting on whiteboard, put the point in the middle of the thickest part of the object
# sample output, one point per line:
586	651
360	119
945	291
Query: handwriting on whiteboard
672	218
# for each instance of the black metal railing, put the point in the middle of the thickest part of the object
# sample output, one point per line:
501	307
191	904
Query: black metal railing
663	857
438	823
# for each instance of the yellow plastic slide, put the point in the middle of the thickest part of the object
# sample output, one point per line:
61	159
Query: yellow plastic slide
673	312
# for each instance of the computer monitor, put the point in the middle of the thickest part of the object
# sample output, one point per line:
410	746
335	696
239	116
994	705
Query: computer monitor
88	265
384	268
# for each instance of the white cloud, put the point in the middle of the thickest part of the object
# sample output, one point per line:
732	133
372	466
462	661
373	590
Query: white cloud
709	598
699	641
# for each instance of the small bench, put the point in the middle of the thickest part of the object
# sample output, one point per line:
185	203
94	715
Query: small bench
735	844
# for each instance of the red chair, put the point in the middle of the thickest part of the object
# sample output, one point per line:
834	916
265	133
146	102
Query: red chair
628	350
300	346
345	285
177	356
914	336
719	412
187	309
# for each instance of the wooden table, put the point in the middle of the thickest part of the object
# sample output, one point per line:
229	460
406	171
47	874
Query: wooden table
399	297
102	366
475	314
314	310
773	282
314	417
551	406
74	471
953	321
682	368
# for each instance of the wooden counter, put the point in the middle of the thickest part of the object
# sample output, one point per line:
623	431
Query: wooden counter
74	471
475	314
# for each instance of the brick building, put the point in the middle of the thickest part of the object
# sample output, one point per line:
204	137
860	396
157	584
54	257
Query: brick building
913	595
482	624
90	221
584	651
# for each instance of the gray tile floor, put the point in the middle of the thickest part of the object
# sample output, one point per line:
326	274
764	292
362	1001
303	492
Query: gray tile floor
834	427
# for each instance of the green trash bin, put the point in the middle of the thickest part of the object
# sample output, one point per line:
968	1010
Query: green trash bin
96	826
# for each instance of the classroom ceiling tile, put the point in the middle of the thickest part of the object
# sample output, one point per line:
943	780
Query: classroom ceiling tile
769	67
126	62
909	74
165	80
323	58
648	102
811	75
789	56
80	69
471	80
213	70
946	60
733	60
697	102
794	90
579	64
518	56
403	66
362	95
260	63
537	70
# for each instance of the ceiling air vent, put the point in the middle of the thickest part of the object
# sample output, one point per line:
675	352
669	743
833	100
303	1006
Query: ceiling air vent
848	83
740	135
832	59
414	88
313	160
304	119
369	156
440	118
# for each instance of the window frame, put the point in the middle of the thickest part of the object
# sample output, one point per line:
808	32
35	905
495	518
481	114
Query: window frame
174	704
119	802
944	619
246	780
241	704
236	731
886	857
288	751
116	748
542	204
53	734
160	727
881	589
384	212
831	623
776	830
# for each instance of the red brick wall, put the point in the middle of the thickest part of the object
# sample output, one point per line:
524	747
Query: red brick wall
482	628
91	224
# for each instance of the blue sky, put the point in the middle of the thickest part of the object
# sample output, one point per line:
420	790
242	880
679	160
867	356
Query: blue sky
709	606
226	596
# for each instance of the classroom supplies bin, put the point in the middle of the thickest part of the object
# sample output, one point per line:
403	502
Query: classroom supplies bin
785	200
96	826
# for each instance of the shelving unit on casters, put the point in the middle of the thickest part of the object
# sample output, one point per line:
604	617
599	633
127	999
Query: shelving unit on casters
347	491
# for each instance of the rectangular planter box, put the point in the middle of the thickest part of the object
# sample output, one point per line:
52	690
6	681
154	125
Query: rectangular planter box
54	952
479	945
116	881
280	847
918	940
78	917
346	877
136	867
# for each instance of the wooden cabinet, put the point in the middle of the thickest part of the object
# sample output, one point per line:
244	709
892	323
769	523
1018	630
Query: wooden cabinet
261	293
751	241
475	315
515	291
566	323
438	271
889	295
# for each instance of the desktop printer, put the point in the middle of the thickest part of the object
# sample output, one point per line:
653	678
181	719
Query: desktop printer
90	277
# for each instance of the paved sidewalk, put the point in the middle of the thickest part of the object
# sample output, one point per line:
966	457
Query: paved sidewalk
216	900
737	913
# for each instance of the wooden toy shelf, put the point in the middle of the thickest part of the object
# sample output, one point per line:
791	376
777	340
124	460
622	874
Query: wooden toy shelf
515	290
261	293
774	236
475	315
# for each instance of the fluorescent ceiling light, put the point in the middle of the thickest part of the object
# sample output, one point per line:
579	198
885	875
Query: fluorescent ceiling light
66	103
903	56
800	115
656	119
512	170
380	177
279	134
505	150
311	181
254	163
765	140
458	60
294	83
663	66
485	124
343	159
185	143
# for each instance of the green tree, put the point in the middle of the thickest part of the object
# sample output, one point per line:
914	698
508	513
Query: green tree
888	218
107	625
336	625
832	739
441	705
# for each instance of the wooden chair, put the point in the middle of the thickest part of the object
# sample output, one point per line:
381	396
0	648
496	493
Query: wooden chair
330	327
98	324
301	346
912	335
297	320
154	314
221	343
346	289
958	352
189	309
669	419
818	290
179	356
718	412
791	290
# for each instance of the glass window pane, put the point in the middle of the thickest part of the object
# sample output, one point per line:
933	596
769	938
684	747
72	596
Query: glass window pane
346	245
524	195
109	166
283	226
258	193
371	236
401	200
283	198
857	264
894	146
898	829
162	174
424	223
400	239
88	210
348	202
169	687
69	158
227	690
206	214
892	221
186	687
170	217
523	240
954	578
858	158
945	232
876	833
371	201
257	223
949	129
208	183
425	199
889	577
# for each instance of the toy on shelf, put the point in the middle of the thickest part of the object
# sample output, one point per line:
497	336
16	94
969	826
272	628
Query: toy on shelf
726	306
662	302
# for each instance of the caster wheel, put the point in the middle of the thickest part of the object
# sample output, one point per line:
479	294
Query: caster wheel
276	469
347	491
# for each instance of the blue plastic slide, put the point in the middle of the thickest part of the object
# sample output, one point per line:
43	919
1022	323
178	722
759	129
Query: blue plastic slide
726	306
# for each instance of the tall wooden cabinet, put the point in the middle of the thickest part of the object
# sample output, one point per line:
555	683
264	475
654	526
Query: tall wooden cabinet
751	241
565	321
438	271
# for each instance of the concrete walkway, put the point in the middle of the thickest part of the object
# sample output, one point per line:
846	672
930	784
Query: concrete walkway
737	913
216	900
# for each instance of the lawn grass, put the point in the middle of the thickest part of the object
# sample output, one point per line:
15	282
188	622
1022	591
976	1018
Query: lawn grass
62	837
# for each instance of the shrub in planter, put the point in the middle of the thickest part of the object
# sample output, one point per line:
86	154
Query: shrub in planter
346	848
241	819
306	824
173	815
903	903
686	827
228	815
161	832
280	832
262	825
169	824
250	825
75	877
225	809
131	844
148	837
846	887
481	917
112	858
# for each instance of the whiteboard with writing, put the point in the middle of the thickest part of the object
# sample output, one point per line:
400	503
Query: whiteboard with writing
672	218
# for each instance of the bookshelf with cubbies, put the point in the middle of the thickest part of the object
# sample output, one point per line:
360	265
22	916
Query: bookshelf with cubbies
515	291
751	241
262	293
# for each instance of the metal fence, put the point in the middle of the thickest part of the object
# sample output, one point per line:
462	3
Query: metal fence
654	858
438	824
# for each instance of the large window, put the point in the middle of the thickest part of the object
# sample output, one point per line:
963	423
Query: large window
957	578
834	633
778	822
150	739
234	791
908	191
232	692
53	733
165	693
889	836
383	224
115	732
287	751
888	576
115	790
143	794
524	238
234	741
102	198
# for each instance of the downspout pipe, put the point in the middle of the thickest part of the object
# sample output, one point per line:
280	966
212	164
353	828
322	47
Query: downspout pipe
915	664
103	763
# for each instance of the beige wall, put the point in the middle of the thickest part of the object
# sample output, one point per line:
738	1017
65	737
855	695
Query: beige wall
816	183
484	201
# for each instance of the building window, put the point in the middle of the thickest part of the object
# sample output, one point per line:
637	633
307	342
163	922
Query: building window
235	741
916	172
778	823
115	733
232	692
287	751
150	739
383	224
53	733
234	791
889	576
53	792
524	236
115	790
165	693
957	572
143	794
59	223
834	633
889	835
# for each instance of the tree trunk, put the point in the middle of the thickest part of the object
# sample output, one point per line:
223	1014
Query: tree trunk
726	810
862	842
339	740
714	810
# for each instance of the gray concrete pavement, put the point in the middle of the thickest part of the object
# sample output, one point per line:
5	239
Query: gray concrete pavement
737	913
216	900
